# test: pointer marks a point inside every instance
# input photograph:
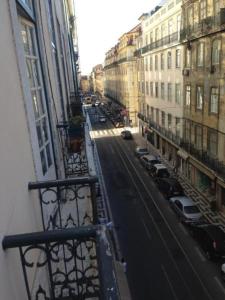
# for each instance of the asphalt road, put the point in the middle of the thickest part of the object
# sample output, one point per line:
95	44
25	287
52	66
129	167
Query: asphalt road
163	261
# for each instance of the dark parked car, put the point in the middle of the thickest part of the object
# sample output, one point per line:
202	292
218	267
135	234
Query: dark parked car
211	238
169	187
126	135
159	170
149	160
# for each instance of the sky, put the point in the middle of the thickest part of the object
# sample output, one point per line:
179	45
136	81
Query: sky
100	23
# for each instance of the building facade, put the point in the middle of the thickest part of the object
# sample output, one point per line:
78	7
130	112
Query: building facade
85	85
160	81
98	80
39	176
204	119
121	74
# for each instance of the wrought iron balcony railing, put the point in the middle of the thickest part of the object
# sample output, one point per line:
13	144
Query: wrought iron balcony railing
175	138
205	158
74	154
72	257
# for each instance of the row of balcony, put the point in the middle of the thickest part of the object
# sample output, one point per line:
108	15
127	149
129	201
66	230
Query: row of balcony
174	37
202	155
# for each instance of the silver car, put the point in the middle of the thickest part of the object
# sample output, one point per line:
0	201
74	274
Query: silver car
139	151
186	209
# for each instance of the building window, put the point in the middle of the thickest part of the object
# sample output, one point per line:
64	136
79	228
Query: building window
151	63
157	115
169	91
156	90
203	10
156	34
163	119
178	58
163	31
156	62
142	87
188	95
148	111
200	55
199	97
139	86
177	93
187	131
198	137
216	7
146	64
152	113
169	121
177	126
162	90
190	17
212	142
188	58
169	60
214	100
216	47
147	87
37	94
162	61
151	88
151	37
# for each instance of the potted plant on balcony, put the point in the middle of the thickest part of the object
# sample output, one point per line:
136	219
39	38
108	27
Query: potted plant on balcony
76	133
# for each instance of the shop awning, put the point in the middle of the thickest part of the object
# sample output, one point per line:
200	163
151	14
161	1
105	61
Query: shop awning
183	154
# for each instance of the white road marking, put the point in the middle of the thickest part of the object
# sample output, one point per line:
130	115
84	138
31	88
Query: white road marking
147	230
220	284
169	282
202	257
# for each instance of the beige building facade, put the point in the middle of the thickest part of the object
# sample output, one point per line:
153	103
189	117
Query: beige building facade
160	80
36	88
121	74
85	84
204	104
98	80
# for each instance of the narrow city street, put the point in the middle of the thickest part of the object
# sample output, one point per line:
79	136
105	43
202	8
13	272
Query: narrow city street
163	261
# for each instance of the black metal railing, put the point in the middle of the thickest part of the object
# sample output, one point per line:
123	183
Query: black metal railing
197	29
62	202
73	149
174	37
68	264
204	157
175	138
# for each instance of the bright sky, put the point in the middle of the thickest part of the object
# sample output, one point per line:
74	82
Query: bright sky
100	23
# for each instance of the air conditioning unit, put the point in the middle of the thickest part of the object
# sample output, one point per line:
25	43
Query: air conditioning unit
186	72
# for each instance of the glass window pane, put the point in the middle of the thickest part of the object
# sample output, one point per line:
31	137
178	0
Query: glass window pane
39	134
48	152
40	102
25	39
35	104
35	72
43	162
45	129
29	72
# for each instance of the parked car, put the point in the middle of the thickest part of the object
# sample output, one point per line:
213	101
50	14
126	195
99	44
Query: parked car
102	119
186	209
139	151
210	237
149	160
159	170
169	187
126	135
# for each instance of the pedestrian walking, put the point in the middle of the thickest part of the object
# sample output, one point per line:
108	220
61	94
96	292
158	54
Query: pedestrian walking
124	264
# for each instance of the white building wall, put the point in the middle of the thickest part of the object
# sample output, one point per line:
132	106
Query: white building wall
19	209
160	25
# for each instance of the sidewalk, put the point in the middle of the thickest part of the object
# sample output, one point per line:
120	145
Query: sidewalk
204	205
